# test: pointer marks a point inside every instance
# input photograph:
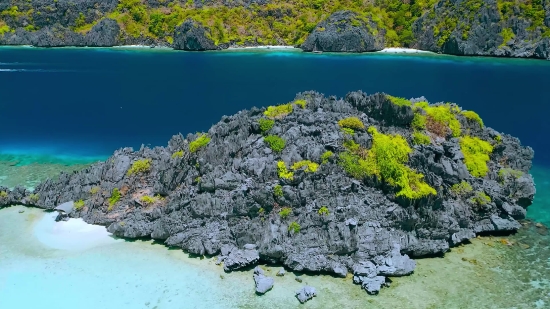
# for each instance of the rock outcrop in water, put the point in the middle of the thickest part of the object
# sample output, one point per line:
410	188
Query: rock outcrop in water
345	31
360	184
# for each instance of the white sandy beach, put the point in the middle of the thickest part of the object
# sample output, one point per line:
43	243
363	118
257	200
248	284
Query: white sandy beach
401	50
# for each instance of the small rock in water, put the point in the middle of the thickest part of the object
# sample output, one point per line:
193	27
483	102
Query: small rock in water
263	283
306	293
21	211
298	279
281	272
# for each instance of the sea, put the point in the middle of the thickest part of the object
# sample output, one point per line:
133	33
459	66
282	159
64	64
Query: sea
62	109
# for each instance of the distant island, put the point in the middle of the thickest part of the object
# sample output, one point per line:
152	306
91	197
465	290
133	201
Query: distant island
357	185
503	28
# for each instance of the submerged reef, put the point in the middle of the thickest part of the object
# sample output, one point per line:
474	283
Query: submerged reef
359	185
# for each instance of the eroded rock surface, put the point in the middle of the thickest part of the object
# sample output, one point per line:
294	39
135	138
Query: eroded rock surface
227	197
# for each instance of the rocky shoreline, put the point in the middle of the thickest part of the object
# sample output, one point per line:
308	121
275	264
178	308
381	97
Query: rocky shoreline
357	185
495	28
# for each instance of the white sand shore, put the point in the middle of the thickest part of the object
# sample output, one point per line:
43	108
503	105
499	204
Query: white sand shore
399	50
72	235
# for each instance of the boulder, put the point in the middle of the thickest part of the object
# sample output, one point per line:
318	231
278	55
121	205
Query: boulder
191	35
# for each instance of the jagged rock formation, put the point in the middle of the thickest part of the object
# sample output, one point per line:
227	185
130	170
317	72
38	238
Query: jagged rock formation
345	31
193	36
263	283
306	293
277	185
485	28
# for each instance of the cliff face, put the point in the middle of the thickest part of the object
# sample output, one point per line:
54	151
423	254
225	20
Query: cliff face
321	184
463	27
345	31
486	28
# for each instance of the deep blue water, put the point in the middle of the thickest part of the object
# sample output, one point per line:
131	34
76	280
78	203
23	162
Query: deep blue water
93	101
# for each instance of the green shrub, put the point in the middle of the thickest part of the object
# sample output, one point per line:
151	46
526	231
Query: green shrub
353	123
33	198
78	205
421	105
261	211
148	200
285	212
178	154
442	115
276	143
473	116
311	167
348	131
399	101
266	125
507	34
283	171
421	139
476	155
279	111
301	103
386	160
505	173
324	211
197	179
4	29
94	190
498	139
115	197
462	188
419	122
3	194
199	143
481	199
294	227
278	191
325	156
140	166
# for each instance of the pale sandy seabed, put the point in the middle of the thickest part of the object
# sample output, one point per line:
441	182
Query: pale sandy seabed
75	265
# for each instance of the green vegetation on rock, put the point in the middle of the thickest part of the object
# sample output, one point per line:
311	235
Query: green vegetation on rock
278	191
294	227
326	156
476	155
473	116
140	166
285	212
149	200
302	103
178	154
276	143
199	143
310	167
421	138
419	122
283	171
506	173
115	197
278	111
352	123
323	211
442	118
462	188
33	198
399	101
78	205
266	125
94	190
480	199
3	194
386	160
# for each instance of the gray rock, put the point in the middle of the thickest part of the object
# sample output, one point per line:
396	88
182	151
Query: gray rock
105	33
344	31
306	293
281	272
191	35
263	283
241	258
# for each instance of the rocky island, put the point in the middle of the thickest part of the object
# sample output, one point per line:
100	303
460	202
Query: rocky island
359	185
502	28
